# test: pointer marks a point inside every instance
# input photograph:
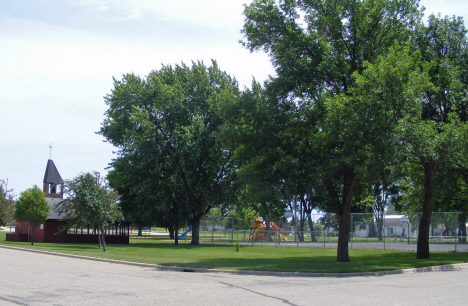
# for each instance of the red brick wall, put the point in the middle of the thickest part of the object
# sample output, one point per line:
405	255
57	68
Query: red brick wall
50	233
22	228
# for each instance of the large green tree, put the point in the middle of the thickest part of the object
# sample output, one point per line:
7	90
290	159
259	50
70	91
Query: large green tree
316	46
90	202
166	124
435	148
437	138
32	207
363	127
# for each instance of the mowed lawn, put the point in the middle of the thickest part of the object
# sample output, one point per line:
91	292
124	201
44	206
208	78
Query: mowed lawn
256	258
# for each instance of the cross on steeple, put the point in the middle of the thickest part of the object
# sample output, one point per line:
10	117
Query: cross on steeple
50	154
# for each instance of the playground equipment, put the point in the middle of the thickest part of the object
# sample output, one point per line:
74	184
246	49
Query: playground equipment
260	231
185	233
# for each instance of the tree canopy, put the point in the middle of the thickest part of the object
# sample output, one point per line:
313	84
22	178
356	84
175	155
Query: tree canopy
436	137
165	127
319	49
32	207
90	202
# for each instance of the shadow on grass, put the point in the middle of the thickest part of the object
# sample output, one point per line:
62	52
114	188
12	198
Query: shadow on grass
292	264
318	264
169	244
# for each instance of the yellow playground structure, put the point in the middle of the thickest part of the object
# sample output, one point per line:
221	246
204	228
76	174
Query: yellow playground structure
261	232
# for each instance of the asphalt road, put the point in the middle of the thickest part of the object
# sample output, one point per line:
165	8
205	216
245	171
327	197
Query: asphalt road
28	278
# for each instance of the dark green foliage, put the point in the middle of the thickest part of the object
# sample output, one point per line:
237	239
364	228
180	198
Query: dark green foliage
436	138
316	47
32	207
170	167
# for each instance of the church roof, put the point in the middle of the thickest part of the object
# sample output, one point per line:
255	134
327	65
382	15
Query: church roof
53	213
52	176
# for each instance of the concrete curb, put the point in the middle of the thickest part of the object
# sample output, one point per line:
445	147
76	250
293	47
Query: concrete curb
452	267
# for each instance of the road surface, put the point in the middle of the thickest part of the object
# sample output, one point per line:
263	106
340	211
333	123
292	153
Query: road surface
28	278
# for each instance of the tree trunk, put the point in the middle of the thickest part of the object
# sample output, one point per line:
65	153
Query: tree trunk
195	231
422	251
301	228
98	233
103	238
371	230
140	230
350	180
301	222
380	226
267	229
176	230
171	232
33	229
462	228
313	237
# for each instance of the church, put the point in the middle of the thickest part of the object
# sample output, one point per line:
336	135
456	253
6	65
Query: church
49	231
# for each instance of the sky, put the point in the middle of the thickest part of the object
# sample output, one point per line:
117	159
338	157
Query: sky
58	59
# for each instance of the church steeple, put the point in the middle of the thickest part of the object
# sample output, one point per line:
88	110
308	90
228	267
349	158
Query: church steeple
53	183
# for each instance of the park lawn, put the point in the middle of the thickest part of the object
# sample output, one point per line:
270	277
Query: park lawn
256	258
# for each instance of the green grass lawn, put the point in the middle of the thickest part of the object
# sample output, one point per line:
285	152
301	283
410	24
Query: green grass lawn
256	258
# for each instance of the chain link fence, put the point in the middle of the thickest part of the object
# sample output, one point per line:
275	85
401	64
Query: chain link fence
389	231
217	230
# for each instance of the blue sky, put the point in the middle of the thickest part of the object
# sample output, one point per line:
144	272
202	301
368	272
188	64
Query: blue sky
58	58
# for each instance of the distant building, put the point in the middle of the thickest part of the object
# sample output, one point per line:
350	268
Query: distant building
393	226
49	231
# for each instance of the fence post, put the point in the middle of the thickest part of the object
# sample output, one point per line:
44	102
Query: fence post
297	240
408	229
279	232
252	231
268	231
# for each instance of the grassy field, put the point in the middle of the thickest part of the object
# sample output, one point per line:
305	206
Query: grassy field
255	258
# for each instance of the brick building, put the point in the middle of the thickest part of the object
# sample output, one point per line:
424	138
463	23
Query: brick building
49	231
